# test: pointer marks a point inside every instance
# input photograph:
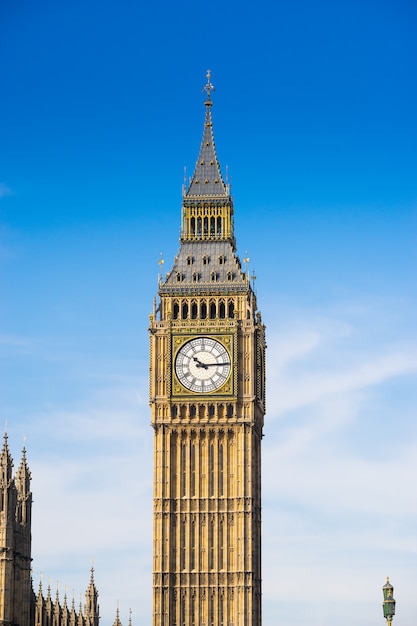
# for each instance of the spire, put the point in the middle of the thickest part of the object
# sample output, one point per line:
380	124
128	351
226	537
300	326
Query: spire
91	604
6	464
23	477
117	621
207	178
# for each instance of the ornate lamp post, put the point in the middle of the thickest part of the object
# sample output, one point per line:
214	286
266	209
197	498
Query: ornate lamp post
388	604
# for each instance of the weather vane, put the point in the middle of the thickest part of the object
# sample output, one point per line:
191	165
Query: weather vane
209	87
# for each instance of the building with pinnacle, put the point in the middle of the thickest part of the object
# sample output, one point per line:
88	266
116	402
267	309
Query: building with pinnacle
19	605
207	398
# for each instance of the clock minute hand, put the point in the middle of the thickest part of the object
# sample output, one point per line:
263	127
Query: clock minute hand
216	363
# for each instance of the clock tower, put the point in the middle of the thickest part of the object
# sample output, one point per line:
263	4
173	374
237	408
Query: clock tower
207	397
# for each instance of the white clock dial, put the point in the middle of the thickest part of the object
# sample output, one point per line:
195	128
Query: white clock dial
202	365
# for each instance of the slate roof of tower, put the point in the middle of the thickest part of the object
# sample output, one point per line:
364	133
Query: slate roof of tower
207	179
195	265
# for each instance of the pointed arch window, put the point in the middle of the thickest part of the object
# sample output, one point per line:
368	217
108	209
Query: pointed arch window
194	310
203	310
184	311
206	225
196	277
219	226
180	277
189	260
222	310
206	260
212	226
213	310
176	311
231	309
230	276
213	277
222	259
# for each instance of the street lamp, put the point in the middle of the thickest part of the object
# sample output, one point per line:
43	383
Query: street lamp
388	604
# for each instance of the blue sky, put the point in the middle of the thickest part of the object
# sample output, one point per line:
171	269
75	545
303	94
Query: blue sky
314	115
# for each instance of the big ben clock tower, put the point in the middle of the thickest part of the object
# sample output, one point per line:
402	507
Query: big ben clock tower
207	397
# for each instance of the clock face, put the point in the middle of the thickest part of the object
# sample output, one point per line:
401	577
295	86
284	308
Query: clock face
202	365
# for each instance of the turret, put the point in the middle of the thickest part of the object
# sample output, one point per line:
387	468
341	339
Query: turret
91	613
16	594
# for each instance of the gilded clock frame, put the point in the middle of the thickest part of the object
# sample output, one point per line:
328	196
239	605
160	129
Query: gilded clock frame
228	340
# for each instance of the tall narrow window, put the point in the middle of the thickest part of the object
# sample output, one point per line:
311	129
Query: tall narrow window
183	611
184	313
193	610
192	223
219	226
222	310
221	469
221	545
194	310
198	226
183	545
176	310
211	612
206	225
212	470
174	607
184	469
203	310
211	544
192	463
231	310
221	607
212	310
212	226
192	541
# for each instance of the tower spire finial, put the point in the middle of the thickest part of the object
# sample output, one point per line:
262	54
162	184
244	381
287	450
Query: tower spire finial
209	87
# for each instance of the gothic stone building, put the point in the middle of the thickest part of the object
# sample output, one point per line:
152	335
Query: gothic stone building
19	605
207	401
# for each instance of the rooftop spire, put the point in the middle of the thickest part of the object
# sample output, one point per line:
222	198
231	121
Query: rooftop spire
208	87
207	180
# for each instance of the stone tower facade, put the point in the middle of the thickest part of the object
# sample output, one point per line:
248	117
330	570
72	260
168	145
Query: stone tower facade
16	595
207	398
19	606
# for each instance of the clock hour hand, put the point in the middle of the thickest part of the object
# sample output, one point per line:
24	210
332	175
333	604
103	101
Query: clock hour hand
199	363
